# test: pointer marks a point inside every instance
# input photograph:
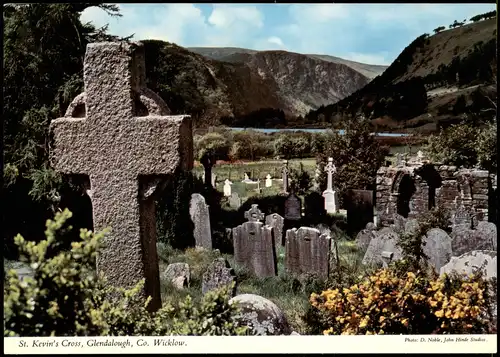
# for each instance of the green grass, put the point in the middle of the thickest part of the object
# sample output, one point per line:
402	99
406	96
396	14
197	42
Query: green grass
284	290
235	172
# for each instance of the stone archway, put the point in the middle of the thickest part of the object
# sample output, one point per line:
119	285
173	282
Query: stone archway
403	188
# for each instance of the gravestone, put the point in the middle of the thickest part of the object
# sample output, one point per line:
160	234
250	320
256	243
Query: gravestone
119	134
411	226
359	205
331	199
314	207
214	180
275	221
218	275
485	235
227	188
307	252
437	247
269	181
200	216
464	239
364	238
385	240
254	248
284	172
234	200
254	214
293	208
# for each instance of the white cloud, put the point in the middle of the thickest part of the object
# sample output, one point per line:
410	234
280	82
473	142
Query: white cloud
276	41
228	16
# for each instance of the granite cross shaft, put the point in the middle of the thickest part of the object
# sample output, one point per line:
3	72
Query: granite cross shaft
118	134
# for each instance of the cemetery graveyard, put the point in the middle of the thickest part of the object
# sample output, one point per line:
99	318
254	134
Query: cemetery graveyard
282	248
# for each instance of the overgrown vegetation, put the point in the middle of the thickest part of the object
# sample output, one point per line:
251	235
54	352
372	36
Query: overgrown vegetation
66	297
385	303
465	145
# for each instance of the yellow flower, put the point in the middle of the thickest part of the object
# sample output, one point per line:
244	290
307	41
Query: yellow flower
381	319
439	313
364	322
329	331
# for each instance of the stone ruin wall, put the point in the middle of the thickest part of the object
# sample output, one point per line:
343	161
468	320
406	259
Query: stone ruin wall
464	192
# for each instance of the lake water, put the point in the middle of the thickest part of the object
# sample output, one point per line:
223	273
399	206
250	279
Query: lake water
310	131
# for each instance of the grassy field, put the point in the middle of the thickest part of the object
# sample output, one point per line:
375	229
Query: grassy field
284	290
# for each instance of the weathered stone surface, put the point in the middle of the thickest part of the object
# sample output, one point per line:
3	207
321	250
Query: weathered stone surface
364	238
370	226
261	315
254	248
254	214
485	235
218	274
234	200
307	252
437	247
118	134
399	224
277	222
485	260
293	208
411	226
200	216
178	274
384	241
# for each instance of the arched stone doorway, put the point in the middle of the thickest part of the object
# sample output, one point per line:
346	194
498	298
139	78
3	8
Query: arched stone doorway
403	188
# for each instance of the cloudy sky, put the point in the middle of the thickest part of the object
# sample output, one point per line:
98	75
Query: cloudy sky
368	33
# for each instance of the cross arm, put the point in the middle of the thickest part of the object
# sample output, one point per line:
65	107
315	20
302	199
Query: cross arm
69	146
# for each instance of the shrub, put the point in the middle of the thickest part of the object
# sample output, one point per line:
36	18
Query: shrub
66	297
385	303
300	180
215	144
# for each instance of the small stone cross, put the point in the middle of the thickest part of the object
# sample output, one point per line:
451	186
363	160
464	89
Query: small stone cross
330	169
119	134
254	214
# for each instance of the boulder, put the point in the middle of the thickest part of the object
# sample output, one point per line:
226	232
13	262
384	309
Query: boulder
261	315
218	274
178	274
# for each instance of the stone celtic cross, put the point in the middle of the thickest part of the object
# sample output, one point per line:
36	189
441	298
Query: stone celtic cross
254	214
330	169
119	134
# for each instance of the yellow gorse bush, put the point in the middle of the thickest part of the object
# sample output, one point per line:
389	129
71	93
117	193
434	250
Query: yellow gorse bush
385	303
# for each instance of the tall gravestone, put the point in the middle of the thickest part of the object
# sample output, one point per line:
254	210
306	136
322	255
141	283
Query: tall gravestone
208	162
269	181
200	215
331	199
307	252
275	221
254	245
227	188
119	134
359	204
284	172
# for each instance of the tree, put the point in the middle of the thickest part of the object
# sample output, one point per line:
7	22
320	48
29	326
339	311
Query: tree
464	145
44	47
439	29
356	154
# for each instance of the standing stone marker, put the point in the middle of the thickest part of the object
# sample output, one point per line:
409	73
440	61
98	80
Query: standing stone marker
227	188
360	207
254	214
234	200
293	208
464	239
307	252
331	199
218	274
269	181
486	236
437	247
214	180
364	238
254	248
208	162
200	216
284	172
275	221
118	133
384	241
